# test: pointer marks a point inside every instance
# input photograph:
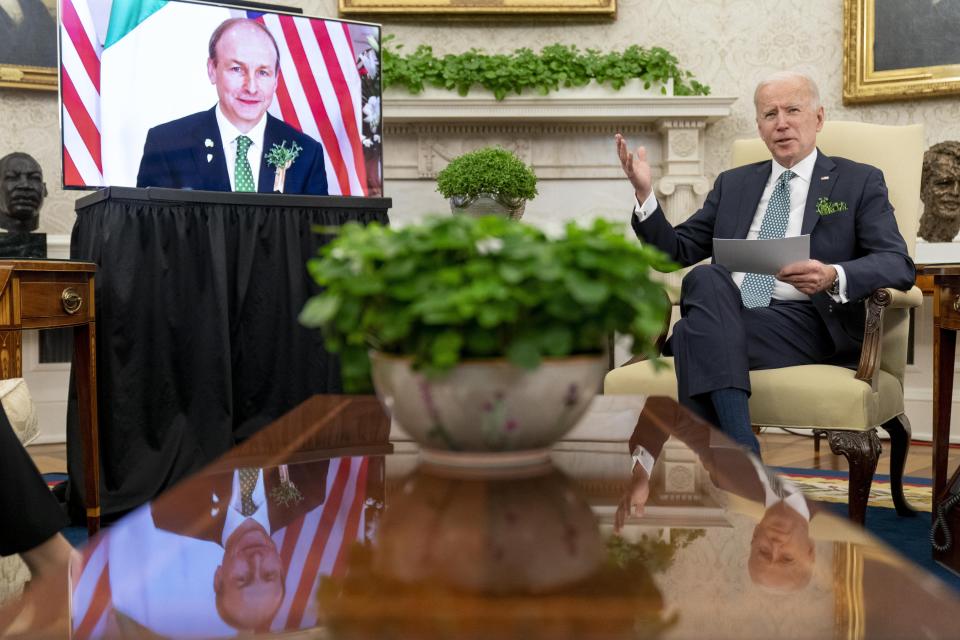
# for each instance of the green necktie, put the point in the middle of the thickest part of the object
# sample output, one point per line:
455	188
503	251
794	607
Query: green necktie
242	175
248	482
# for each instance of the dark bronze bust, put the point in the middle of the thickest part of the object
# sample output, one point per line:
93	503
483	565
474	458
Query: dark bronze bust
22	191
940	192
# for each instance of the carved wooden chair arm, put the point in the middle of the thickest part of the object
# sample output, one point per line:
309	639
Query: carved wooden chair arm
869	366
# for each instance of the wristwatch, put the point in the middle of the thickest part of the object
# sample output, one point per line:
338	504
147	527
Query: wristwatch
834	289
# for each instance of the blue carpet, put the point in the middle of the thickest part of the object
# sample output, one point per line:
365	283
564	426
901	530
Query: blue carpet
829	473
77	536
909	536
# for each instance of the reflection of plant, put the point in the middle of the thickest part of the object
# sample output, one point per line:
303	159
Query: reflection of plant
654	554
555	66
488	170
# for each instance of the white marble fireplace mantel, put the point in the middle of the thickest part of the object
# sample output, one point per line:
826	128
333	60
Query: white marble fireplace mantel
435	105
567	137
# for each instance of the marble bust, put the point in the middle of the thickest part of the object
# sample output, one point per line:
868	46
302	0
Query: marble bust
22	191
940	192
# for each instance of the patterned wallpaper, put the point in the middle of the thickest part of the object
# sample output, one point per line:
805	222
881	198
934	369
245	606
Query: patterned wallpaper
728	44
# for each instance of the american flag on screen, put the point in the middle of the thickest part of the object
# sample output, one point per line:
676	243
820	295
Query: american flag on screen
314	545
80	88
107	61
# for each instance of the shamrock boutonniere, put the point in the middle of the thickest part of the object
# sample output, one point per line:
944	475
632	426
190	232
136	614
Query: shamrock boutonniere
281	157
826	207
286	493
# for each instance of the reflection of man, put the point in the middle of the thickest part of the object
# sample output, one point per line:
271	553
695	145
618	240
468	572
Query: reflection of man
812	311
240	511
27	34
224	149
940	192
782	552
22	191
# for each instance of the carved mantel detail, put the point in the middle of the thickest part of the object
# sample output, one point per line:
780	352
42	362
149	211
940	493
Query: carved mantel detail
565	140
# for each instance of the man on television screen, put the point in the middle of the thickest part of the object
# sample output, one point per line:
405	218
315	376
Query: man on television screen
227	147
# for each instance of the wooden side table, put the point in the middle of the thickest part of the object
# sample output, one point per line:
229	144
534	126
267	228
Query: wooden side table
946	323
50	294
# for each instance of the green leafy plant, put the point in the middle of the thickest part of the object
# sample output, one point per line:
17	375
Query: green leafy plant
280	156
488	170
653	553
555	66
458	287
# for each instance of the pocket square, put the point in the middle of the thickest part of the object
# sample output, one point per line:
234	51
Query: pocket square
826	207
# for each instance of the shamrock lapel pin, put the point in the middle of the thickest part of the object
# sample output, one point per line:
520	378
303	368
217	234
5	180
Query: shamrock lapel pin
208	143
281	158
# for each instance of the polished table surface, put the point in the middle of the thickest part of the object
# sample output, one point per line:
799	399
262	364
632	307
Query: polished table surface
362	540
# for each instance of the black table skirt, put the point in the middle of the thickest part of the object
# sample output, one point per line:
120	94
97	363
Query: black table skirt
198	344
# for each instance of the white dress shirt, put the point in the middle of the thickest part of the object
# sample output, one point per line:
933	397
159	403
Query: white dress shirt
643	458
793	499
235	515
799	187
229	135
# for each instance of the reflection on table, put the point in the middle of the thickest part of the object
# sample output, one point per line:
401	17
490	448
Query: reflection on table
321	523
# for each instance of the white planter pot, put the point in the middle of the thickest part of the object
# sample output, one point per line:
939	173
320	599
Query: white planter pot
488	406
487	205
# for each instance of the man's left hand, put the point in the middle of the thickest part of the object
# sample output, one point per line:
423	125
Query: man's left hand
808	276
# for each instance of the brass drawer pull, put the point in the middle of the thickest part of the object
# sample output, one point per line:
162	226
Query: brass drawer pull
72	300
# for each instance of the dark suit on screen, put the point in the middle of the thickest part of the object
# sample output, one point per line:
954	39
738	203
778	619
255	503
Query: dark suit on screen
175	156
863	239
198	508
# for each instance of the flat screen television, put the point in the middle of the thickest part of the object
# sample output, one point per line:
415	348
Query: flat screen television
142	103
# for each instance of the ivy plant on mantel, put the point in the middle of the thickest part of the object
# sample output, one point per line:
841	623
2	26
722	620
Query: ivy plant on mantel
555	67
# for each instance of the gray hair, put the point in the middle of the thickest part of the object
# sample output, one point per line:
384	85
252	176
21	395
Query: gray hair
787	76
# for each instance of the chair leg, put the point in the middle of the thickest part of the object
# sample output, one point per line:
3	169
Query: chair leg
817	434
900	433
862	450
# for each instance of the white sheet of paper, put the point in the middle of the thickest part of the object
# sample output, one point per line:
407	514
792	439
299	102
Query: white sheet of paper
760	256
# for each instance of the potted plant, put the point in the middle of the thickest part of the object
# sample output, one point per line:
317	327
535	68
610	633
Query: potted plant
484	334
488	181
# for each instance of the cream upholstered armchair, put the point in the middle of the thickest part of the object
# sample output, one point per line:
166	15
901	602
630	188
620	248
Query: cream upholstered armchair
844	405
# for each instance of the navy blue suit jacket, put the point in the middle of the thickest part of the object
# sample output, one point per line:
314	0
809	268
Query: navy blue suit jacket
198	508
175	157
863	239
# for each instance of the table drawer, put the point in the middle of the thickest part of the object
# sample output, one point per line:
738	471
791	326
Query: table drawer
65	300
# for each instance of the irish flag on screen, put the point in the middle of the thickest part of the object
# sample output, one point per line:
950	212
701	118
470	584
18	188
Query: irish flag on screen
129	65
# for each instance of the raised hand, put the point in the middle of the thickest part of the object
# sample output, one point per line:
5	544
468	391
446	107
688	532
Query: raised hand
636	168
